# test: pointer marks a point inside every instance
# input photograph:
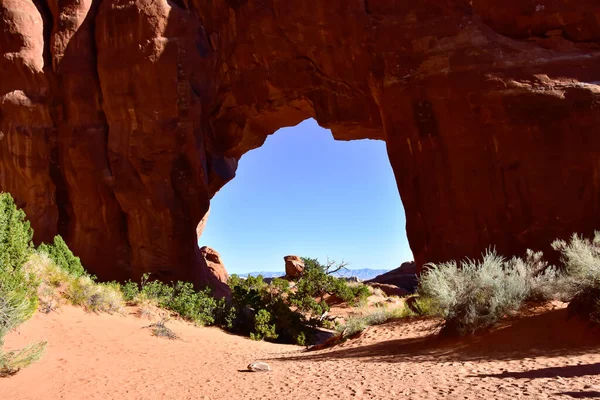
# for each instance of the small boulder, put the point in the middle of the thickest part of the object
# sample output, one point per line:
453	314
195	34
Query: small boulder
259	366
294	266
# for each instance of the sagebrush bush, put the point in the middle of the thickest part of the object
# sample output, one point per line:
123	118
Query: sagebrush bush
543	282
475	294
581	259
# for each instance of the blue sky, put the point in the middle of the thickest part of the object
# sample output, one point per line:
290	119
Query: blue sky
304	193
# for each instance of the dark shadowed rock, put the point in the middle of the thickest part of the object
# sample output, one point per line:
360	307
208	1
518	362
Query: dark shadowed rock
403	277
390	290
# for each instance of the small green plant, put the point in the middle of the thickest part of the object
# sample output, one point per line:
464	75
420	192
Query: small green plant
160	329
358	323
13	361
131	291
422	306
301	339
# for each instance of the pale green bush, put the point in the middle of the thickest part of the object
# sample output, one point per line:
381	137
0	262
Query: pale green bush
581	258
475	294
95	297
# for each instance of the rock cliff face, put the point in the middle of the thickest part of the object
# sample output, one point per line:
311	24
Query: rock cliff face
120	119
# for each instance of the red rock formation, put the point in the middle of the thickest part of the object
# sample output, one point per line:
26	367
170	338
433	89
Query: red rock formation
120	119
294	266
213	272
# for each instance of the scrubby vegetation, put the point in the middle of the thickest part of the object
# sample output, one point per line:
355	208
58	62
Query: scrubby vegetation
290	311
474	295
18	300
381	315
62	257
469	296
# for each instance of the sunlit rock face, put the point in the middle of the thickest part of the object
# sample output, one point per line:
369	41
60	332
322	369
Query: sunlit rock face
120	119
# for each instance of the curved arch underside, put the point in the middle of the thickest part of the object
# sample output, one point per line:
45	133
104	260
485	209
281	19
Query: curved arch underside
119	120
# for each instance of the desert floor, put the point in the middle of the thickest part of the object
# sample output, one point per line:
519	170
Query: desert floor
113	357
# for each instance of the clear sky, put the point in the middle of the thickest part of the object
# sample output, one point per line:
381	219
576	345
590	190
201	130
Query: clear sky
304	193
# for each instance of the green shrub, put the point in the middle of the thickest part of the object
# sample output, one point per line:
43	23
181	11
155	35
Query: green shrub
15	248
474	295
225	314
131	291
15	235
18	288
197	306
262	326
301	339
253	296
181	297
293	313
316	282
63	257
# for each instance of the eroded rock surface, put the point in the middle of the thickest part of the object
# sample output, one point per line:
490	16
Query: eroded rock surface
119	120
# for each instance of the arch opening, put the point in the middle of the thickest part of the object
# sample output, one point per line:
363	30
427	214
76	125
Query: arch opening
303	192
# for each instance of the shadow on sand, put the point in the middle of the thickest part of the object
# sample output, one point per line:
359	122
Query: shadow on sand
548	334
568	371
581	395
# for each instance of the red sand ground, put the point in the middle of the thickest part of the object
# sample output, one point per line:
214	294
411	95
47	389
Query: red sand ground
111	357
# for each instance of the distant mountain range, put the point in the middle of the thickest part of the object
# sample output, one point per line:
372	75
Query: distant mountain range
363	274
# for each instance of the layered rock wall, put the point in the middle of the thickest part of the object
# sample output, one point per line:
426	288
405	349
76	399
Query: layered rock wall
120	119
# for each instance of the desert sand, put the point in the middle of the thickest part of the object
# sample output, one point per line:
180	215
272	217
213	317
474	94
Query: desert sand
103	356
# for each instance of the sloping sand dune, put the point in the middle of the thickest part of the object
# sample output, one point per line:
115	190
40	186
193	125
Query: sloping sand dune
113	357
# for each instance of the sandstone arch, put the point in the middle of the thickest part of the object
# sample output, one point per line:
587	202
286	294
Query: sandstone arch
120	119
